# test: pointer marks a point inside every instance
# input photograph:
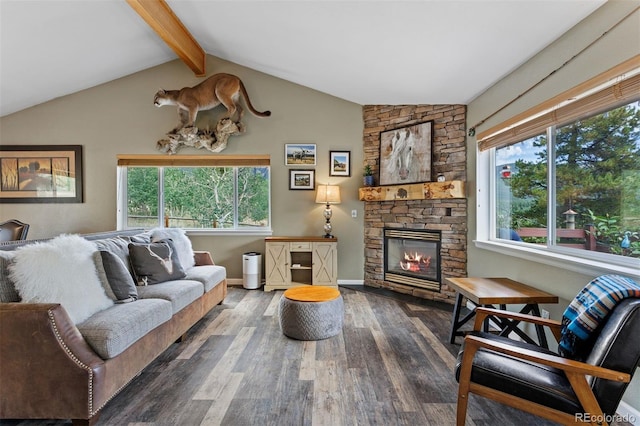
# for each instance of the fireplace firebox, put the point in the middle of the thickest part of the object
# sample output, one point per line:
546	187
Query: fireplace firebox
412	257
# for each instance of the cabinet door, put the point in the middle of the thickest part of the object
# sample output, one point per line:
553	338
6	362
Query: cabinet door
277	264
325	264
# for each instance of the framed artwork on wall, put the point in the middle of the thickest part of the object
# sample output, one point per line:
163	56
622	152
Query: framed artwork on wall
339	163
300	154
41	174
405	154
302	179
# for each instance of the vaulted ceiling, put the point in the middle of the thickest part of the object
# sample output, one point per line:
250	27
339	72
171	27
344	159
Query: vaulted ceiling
366	51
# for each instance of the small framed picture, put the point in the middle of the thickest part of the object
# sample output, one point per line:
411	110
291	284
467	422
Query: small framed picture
300	154
302	179
339	163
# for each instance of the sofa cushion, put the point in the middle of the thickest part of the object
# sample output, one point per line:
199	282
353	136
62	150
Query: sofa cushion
180	292
155	262
62	271
118	277
113	330
181	242
8	291
209	275
144	237
118	246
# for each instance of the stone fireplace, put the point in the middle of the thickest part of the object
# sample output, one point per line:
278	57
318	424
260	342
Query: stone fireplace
444	216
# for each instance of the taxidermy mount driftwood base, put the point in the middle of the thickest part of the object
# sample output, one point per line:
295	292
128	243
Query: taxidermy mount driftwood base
214	141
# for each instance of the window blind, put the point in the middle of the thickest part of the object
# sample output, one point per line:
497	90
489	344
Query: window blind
194	160
621	92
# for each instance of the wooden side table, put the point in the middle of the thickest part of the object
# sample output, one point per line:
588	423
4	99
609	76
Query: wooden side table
488	292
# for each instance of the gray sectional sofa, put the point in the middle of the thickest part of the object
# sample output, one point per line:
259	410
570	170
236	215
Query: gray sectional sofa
60	361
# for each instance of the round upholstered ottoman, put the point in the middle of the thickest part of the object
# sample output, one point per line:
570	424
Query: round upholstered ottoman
311	312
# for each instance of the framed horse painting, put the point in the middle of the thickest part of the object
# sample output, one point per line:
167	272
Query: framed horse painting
405	154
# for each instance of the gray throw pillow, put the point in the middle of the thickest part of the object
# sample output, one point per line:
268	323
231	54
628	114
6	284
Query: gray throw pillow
102	275
155	262
119	277
118	246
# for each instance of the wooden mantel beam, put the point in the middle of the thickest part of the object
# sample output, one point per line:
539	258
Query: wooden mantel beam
161	18
416	191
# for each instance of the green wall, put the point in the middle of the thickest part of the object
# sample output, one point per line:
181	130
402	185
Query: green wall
119	118
618	45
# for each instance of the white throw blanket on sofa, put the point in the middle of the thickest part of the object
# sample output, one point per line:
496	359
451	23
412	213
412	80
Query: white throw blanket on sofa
63	271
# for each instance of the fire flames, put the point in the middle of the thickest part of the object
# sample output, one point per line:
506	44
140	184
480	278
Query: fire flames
415	262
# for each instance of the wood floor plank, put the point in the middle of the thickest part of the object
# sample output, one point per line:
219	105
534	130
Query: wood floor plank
360	347
331	349
213	385
328	406
272	309
218	409
444	414
404	396
286	408
361	313
417	308
308	361
245	311
434	344
360	396
188	413
217	326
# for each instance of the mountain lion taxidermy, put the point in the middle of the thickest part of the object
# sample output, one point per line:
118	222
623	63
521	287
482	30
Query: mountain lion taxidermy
218	89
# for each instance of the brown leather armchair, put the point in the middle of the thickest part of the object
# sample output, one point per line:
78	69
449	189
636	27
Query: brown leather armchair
540	381
13	230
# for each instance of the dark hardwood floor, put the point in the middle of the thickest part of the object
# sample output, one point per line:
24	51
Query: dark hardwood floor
391	365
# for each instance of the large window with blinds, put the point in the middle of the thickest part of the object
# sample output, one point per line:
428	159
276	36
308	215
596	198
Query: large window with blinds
216	194
568	180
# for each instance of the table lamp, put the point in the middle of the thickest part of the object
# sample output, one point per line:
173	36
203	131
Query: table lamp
328	194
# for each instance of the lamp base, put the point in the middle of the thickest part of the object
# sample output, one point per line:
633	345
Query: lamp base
327	226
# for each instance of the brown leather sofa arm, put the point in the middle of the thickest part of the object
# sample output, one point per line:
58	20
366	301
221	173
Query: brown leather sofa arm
203	258
47	369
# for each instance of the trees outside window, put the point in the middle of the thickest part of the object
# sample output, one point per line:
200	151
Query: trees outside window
591	180
228	198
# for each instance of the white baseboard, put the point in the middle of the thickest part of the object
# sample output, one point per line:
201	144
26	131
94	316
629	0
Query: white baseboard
351	282
628	413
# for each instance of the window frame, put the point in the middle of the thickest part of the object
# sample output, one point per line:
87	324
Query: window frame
550	253
576	260
163	162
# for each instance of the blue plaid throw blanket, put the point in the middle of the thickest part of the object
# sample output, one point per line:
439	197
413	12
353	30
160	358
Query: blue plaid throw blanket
590	307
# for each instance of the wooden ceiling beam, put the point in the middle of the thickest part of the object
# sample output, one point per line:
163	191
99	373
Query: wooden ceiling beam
159	16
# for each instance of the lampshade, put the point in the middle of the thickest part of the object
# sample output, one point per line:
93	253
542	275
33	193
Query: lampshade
328	194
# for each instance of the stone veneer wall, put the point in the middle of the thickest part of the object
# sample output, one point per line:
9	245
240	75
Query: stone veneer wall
448	216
